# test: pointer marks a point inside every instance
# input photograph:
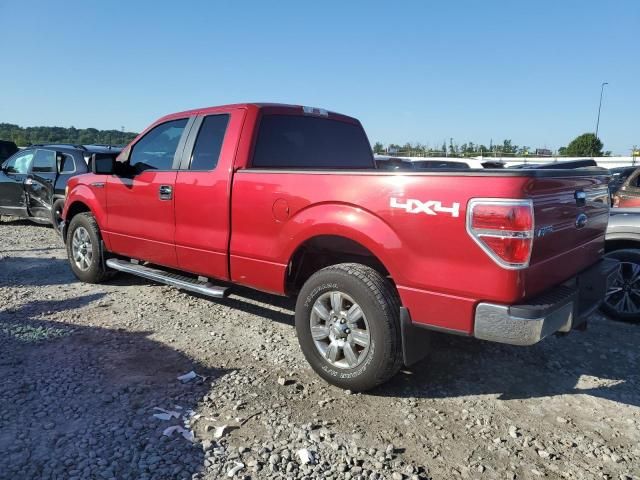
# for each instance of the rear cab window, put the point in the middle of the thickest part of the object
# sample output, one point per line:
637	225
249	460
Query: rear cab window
206	150
289	141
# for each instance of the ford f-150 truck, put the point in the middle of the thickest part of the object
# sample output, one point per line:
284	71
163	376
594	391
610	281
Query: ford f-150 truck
287	199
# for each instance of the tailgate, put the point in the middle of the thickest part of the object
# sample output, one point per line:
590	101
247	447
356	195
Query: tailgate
571	215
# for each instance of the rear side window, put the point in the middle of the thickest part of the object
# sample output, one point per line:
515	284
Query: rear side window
44	161
155	151
295	141
67	165
209	142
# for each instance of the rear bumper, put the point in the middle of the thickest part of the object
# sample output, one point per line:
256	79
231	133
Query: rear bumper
558	310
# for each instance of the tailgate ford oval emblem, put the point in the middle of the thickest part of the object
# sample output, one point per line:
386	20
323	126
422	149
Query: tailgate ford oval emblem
581	221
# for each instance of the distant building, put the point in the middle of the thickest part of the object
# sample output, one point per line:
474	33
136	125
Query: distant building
543	152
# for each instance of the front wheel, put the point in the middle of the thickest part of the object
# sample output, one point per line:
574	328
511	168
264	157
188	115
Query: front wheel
347	322
622	300
84	249
56	214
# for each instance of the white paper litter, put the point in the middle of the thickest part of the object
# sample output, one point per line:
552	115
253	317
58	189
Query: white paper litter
166	414
187	377
188	434
306	456
221	431
238	466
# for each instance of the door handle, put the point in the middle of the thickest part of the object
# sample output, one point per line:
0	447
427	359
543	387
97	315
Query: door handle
166	192
28	181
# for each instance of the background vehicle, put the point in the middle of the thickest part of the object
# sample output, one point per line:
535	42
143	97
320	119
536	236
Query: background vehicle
619	176
623	244
33	180
7	149
287	199
385	162
628	193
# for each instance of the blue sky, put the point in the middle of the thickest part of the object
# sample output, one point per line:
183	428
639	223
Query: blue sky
410	71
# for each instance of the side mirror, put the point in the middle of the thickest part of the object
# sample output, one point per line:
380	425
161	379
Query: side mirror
103	164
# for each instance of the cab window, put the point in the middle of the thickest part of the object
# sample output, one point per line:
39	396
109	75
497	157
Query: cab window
209	142
155	151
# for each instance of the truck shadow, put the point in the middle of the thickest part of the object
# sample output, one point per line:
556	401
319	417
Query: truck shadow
35	271
78	401
602	362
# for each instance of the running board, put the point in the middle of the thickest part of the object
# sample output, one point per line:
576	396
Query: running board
173	279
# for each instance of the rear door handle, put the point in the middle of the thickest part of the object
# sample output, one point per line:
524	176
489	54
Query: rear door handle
166	192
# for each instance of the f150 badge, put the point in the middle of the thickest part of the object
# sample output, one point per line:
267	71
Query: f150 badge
430	207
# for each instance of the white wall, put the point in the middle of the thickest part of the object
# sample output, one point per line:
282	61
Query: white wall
606	162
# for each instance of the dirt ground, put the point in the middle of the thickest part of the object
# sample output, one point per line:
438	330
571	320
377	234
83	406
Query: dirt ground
82	368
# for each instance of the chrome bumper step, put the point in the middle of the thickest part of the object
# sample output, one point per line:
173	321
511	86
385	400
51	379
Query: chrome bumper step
175	280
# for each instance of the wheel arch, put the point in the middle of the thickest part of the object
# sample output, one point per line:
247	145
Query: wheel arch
621	243
82	200
338	233
322	250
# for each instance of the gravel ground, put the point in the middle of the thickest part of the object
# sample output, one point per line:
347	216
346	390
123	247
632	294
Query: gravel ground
83	368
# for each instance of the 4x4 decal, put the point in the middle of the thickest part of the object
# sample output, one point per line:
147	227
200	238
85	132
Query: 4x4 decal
430	207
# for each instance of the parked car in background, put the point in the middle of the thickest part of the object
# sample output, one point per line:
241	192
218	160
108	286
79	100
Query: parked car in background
622	242
7	149
287	199
628	193
392	163
384	162
33	180
619	176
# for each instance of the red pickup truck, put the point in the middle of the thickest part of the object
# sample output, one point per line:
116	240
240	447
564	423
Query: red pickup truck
287	199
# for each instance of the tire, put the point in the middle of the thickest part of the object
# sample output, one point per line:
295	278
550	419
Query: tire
622	301
84	249
56	213
345	361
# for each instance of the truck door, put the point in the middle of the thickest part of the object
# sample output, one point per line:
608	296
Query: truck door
140	198
39	183
203	191
12	176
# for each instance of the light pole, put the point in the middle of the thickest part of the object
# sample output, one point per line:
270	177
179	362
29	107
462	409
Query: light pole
600	106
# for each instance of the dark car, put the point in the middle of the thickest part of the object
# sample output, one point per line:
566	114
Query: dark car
33	180
623	244
7	149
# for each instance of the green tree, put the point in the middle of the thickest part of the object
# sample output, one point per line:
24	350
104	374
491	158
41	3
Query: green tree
378	148
585	145
26	136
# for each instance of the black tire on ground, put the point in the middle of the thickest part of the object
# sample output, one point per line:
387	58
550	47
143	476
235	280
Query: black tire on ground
89	266
380	305
627	282
56	213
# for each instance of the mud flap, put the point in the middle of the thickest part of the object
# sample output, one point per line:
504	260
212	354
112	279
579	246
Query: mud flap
415	340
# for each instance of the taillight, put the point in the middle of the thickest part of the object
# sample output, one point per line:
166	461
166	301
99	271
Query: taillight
503	229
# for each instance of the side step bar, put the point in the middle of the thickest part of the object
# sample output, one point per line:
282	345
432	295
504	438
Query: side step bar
173	279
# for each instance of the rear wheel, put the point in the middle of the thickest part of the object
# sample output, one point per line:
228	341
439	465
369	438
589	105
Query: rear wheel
622	300
84	249
347	322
